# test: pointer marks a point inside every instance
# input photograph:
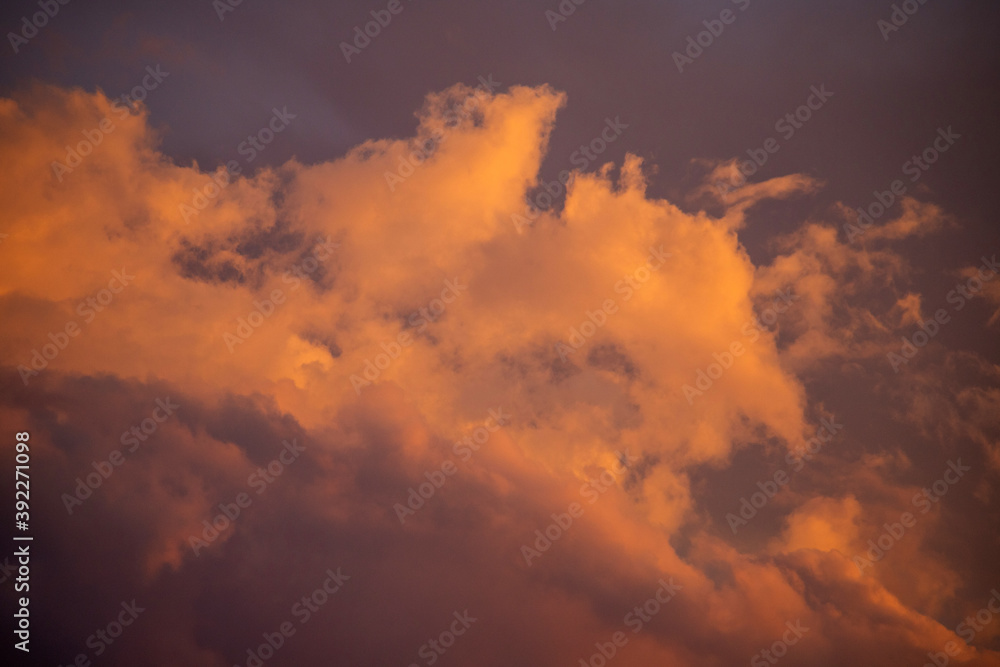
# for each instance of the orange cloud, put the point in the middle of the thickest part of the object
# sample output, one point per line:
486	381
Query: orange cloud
261	310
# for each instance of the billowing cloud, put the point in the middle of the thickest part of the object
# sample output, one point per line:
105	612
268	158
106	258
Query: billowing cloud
377	373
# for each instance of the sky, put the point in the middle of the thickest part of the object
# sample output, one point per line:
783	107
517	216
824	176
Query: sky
479	334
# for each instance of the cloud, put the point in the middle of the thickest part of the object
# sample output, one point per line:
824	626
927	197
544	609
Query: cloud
259	312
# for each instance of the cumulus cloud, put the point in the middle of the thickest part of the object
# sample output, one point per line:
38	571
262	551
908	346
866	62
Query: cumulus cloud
377	321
